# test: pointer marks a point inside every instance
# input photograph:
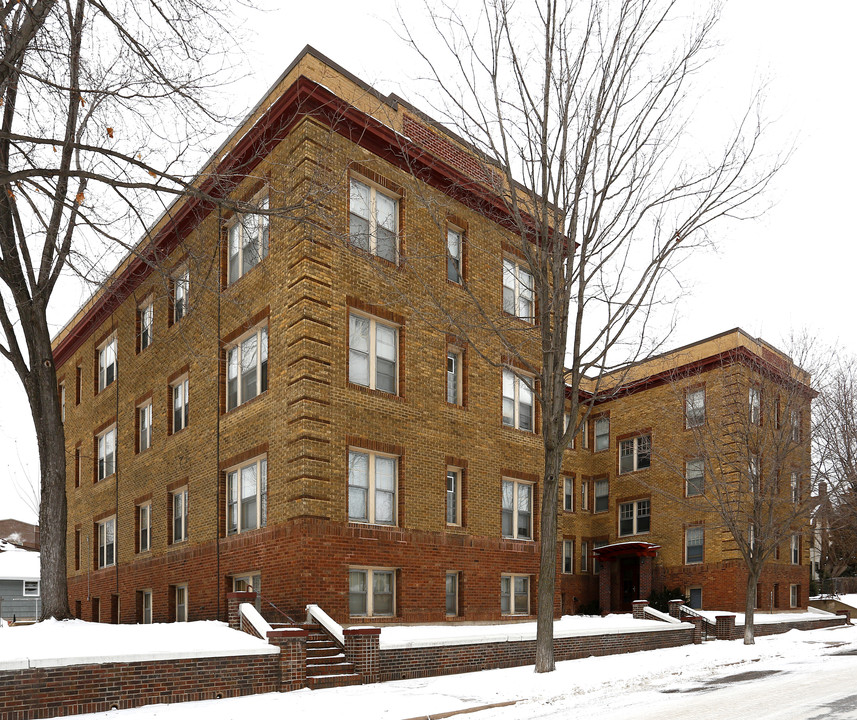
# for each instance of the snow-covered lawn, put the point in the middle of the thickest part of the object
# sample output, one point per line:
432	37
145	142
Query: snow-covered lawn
75	642
599	681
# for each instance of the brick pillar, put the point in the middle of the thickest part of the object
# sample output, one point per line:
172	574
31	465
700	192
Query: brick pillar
233	600
675	608
725	627
362	649
292	645
604	588
846	614
639	607
697	628
645	577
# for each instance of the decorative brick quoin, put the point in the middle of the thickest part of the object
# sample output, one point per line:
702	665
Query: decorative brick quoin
262	412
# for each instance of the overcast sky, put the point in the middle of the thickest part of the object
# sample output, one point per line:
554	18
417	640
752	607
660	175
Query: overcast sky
790	271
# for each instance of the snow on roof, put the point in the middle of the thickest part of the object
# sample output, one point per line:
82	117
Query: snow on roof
53	643
16	564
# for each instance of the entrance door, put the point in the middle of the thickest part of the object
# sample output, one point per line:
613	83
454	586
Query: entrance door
629	582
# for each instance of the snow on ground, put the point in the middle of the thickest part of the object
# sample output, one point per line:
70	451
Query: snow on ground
594	682
401	636
75	642
767	618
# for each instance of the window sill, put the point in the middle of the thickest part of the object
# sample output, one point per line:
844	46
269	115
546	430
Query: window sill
374	526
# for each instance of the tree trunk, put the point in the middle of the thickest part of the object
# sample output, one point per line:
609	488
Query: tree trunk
547	561
750	608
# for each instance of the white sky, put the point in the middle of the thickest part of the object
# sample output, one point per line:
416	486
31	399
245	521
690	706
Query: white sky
789	271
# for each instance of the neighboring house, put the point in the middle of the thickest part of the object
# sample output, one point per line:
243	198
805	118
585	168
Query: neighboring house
295	430
20	534
20	597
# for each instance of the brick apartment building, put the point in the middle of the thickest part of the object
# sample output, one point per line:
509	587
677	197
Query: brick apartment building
264	413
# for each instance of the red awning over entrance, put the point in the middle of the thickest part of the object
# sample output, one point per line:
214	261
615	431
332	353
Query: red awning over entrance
626	549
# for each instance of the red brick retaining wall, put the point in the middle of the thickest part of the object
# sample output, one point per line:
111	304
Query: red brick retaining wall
72	689
404	663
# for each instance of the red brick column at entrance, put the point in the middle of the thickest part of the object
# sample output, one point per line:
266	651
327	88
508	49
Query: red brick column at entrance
645	576
362	648
639	608
675	608
604	588
233	601
725	627
697	628
292	645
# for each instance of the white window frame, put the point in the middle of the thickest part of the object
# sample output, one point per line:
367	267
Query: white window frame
241	225
694	472
584	435
568	494
236	371
237	500
794	416
370	353
453	496
567	567
795	488
793	595
515	389
31	588
179	393
514	594
599	484
146	606
179	500
454	373
794	548
372	220
602	433
514	513
754	469
698	533
452	578
454	254
755	405
518	298
634	511
107	542
694	408
106	459
147	324
144	426
181	599
247	582
584	556
371	600
370	490
584	495
144	512
107	362
181	293
639	450
62	401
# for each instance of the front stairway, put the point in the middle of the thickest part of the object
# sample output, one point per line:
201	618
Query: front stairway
326	665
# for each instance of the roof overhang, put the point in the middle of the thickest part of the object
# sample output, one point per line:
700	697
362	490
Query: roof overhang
626	549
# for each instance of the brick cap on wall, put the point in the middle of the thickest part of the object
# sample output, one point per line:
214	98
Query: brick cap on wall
288	633
361	631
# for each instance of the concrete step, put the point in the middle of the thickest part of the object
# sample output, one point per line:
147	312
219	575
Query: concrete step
322	669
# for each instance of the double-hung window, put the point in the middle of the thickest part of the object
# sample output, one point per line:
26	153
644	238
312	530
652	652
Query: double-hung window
568	556
247	497
373	220
247	368
31	588
146	607
372	480
180	510
106	363
452	594
514	595
602	495
568	494
634	517
62	401
694	545
453	254
753	476
794	417
517	401
144	427
794	596
453	496
694	477
795	488
106	454
584	495
635	453
107	542
584	556
453	376
181	603
373	348
517	510
795	549
248	240
694	408
180	294
602	433
518	291
146	320
144	527
755	405
371	592
180	405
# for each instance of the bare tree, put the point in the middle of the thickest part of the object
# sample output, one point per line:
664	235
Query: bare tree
103	108
580	116
752	458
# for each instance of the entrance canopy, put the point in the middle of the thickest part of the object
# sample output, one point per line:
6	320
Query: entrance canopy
625	549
